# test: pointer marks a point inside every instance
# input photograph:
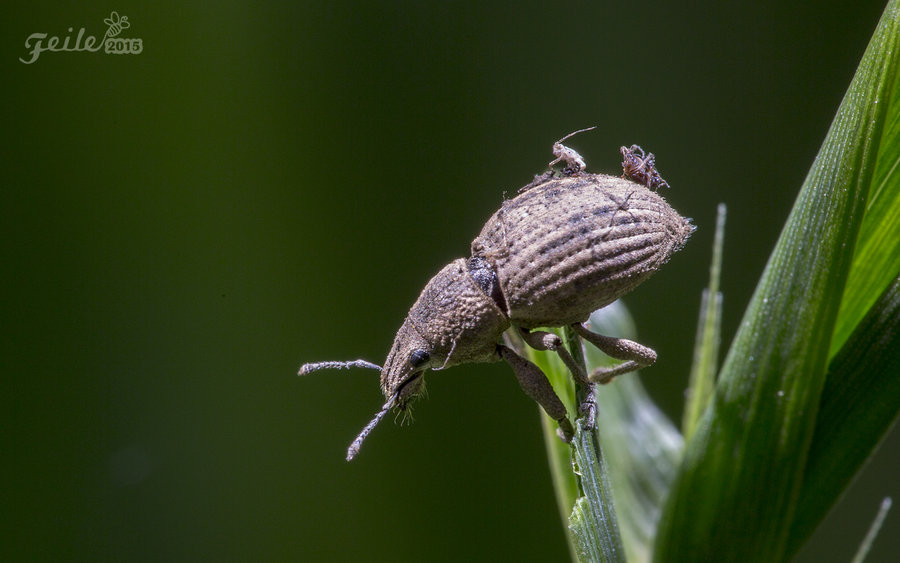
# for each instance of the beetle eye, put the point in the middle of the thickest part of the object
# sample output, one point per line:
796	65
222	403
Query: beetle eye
418	357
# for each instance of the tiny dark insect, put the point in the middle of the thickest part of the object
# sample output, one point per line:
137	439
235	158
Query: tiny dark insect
641	167
567	245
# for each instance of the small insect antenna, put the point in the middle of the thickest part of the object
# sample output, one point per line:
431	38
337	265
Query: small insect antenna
573	133
357	443
574	162
306	369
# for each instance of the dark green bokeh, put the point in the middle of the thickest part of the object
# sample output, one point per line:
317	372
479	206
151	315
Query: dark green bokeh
268	185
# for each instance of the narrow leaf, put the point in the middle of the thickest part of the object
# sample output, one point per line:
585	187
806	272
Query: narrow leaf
709	334
595	529
877	258
737	491
867	542
860	401
642	446
559	454
593	521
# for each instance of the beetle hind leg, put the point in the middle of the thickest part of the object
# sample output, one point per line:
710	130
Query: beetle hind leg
635	356
536	386
540	340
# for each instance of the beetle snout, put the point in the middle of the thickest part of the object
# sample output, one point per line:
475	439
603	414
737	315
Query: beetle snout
402	382
410	389
410	356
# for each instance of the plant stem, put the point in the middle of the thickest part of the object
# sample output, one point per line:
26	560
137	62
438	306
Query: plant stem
595	531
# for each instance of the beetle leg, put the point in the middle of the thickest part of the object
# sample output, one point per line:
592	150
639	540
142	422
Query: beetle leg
536	386
635	355
540	340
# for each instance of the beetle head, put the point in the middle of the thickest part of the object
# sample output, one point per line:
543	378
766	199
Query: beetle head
452	322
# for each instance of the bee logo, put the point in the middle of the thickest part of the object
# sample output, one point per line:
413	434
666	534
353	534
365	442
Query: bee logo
116	24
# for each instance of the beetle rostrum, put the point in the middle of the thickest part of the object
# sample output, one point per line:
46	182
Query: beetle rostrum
571	242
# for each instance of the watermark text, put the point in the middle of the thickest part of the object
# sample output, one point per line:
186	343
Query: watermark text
111	43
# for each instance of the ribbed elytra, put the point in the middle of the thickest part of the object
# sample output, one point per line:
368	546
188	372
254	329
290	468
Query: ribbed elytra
568	244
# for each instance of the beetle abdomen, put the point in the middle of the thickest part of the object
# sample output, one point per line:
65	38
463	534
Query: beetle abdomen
568	246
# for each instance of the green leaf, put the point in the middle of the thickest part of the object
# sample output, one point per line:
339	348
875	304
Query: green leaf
877	259
737	490
867	542
559	454
859	403
709	334
593	522
594	526
643	448
647	451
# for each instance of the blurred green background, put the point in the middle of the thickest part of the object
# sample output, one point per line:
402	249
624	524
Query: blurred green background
273	183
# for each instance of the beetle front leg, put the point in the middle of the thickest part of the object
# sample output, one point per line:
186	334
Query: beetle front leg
536	386
635	356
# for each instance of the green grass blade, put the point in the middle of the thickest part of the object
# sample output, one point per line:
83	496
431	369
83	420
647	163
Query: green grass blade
736	494
643	448
877	258
584	498
593	522
867	542
709	335
861	398
565	486
860	401
641	452
559	454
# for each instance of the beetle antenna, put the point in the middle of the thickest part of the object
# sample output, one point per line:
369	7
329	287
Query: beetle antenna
573	133
306	369
357	443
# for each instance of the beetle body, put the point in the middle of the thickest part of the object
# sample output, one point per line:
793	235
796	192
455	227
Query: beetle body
564	247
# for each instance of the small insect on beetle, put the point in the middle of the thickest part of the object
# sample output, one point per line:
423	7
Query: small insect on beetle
569	243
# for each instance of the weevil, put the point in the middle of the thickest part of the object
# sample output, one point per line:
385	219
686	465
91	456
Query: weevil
569	243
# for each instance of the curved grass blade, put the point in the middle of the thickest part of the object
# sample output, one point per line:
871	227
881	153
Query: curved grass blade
859	403
709	334
594	526
877	258
595	530
642	446
737	490
559	454
867	542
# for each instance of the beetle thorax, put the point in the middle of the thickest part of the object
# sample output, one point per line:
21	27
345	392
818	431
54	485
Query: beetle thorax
452	322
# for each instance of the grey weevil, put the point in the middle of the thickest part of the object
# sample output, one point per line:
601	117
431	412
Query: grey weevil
569	243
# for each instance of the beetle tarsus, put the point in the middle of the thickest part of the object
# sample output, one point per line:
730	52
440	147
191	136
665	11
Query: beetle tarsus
565	430
588	407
